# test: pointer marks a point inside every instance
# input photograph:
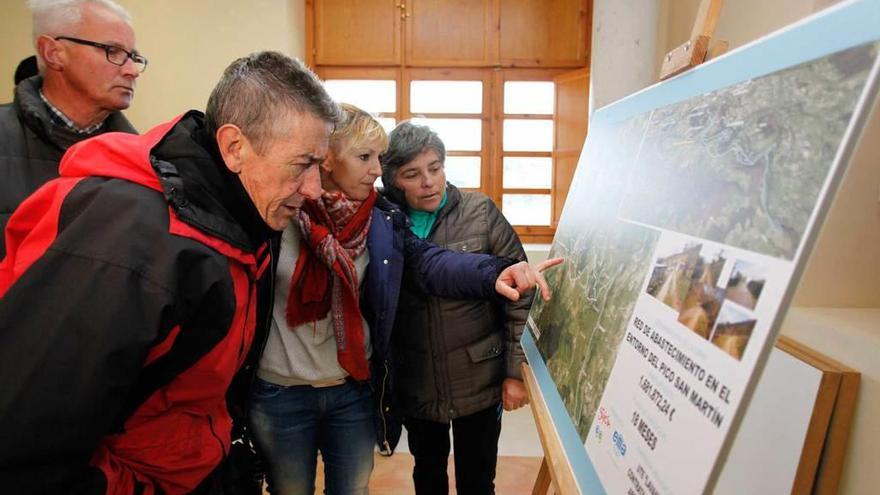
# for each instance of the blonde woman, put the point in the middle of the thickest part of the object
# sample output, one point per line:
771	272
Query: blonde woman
324	377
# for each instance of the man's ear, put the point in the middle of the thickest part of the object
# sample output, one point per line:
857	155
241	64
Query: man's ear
329	162
51	52
232	144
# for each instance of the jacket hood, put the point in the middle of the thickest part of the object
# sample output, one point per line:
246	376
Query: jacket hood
116	155
180	160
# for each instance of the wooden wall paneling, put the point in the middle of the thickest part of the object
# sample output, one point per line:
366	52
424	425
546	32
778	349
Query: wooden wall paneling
450	33
569	131
357	32
544	33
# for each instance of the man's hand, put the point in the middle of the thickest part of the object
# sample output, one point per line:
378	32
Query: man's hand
520	278
513	394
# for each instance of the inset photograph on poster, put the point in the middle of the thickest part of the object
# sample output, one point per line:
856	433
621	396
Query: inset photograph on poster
733	330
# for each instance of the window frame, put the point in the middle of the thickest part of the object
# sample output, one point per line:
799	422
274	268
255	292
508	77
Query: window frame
492	117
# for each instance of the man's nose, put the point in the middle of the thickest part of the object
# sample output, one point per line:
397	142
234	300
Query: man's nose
130	69
311	184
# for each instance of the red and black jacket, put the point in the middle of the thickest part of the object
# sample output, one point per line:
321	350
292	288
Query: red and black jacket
128	300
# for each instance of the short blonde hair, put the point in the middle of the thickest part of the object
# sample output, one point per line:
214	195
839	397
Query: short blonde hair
357	127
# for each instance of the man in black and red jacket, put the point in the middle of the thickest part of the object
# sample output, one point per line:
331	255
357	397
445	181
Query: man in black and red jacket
128	294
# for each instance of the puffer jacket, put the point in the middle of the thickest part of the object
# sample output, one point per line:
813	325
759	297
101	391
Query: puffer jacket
451	356
128	300
31	146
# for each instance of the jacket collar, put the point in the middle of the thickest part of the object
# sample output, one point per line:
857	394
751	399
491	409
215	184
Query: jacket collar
203	192
33	112
181	160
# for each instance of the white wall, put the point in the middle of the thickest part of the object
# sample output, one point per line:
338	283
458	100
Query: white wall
623	53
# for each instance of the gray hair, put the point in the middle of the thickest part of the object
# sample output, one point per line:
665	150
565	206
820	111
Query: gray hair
406	142
53	17
258	92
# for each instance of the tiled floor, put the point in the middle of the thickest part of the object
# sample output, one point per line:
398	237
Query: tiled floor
519	459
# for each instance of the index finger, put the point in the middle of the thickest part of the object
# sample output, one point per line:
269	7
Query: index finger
549	263
542	283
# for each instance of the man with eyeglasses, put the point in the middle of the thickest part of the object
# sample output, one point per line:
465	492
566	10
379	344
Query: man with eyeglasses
88	68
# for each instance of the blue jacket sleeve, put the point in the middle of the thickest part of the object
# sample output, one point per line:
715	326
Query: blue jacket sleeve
451	274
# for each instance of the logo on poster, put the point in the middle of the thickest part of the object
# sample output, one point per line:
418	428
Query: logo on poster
619	444
604	419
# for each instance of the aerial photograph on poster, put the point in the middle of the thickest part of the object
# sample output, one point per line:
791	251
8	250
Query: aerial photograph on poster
744	165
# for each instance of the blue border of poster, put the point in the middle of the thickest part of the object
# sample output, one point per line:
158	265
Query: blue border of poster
837	28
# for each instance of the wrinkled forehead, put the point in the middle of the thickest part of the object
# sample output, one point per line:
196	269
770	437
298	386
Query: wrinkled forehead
297	134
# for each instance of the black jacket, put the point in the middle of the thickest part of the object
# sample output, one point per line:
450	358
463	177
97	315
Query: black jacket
31	146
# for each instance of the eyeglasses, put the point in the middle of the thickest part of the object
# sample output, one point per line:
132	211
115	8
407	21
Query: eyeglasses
115	54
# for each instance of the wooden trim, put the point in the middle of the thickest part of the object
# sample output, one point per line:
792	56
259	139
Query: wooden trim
541	191
536	239
528	116
527	154
310	33
820	459
837	439
471	116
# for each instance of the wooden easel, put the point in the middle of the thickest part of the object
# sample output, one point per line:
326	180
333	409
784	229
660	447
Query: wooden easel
555	467
696	50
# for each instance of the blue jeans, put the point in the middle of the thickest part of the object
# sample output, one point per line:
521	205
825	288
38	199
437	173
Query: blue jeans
291	424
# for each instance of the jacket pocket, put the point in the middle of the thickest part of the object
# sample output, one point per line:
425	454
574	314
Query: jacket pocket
490	347
471	245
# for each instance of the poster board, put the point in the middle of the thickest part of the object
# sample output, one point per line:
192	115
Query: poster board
692	212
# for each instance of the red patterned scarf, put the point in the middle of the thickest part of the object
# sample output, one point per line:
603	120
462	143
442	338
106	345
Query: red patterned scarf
334	232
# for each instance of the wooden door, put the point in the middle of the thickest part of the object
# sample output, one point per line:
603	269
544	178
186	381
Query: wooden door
570	130
454	33
544	33
356	32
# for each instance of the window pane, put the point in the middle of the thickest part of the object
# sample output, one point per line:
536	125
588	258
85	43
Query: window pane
463	171
526	209
374	96
388	123
531	97
446	97
527	172
457	134
528	135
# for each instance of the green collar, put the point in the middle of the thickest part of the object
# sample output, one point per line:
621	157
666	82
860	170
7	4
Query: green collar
422	221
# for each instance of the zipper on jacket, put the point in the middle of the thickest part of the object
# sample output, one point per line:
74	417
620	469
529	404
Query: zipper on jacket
382	411
273	265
